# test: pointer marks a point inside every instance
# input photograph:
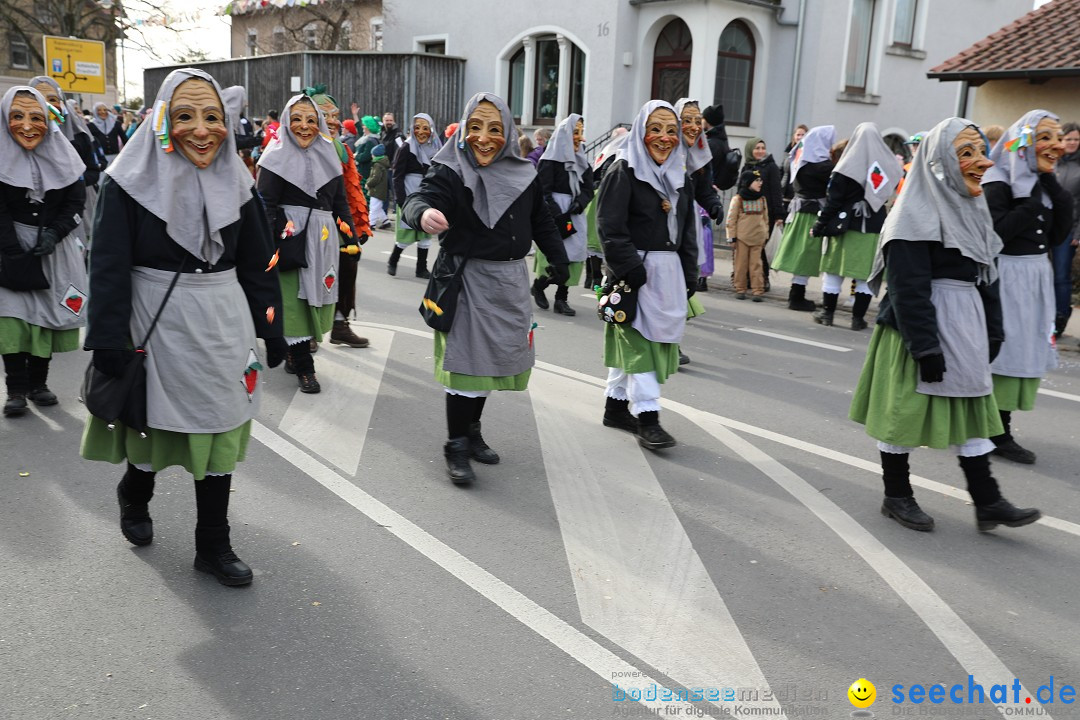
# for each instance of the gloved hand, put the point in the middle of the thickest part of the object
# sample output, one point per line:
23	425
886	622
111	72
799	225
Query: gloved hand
995	348
818	230
362	239
113	362
636	276
46	244
276	350
691	290
932	368
559	274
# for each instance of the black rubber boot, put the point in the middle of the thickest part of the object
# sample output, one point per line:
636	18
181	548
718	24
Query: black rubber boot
1005	446
456	451
991	509
824	316
134	493
562	307
796	299
538	287
391	266
617	415
17	378
421	263
213	549
858	312
650	435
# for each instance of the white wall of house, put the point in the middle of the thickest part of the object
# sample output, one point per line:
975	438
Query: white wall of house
1003	102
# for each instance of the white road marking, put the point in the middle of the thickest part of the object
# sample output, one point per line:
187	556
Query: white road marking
790	338
403	255
334	423
573	642
638	579
1061	395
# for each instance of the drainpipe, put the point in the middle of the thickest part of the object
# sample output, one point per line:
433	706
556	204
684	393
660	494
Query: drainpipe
962	105
795	65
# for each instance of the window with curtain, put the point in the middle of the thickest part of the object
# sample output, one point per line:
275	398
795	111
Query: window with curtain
19	52
735	73
577	80
858	51
546	101
904	24
517	84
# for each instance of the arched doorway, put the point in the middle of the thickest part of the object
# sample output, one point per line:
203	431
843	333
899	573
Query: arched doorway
671	62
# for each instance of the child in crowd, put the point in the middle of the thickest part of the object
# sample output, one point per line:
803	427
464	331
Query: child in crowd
748	229
378	188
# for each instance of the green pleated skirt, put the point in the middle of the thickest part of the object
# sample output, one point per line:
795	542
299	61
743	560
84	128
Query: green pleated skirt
851	255
407	235
592	235
886	402
198	453
799	254
19	336
627	349
301	319
1013	393
474	383
540	268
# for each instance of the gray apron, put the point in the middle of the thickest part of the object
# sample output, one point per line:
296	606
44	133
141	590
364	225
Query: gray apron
412	184
961	322
576	245
700	236
661	312
1027	312
490	334
319	280
201	360
61	306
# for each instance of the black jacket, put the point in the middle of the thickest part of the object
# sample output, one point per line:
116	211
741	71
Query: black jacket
704	193
811	184
276	191
61	211
405	163
555	179
770	186
909	268
109	143
127	235
629	217
1025	225
526	221
842	196
388	138
84	145
719	147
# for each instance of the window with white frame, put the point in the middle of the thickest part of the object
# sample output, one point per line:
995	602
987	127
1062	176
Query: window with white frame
377	34
19	52
904	23
860	34
252	42
735	72
345	36
279	39
546	80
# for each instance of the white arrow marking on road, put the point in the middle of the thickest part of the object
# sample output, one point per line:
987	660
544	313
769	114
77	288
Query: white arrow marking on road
789	338
636	574
334	423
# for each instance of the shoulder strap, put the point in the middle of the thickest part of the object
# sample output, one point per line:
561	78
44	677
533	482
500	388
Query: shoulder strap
161	307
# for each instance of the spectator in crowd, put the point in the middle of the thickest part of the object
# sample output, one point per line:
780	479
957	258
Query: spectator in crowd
540	140
1068	174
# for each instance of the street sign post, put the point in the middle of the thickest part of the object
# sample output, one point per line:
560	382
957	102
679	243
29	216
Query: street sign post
76	65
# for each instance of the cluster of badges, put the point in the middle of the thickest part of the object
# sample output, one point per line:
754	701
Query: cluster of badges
608	310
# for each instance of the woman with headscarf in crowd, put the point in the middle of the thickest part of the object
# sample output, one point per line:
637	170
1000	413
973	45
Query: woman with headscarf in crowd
646	219
341	333
699	168
926	380
851	218
179	209
300	181
757	157
409	166
786	177
487	204
107	130
1068	174
799	253
41	201
567	179
1032	213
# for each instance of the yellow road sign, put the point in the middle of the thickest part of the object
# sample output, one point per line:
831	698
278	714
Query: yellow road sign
76	65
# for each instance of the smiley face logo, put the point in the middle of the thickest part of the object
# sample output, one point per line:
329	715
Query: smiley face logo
862	693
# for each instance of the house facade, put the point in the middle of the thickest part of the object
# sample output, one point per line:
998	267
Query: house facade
264	28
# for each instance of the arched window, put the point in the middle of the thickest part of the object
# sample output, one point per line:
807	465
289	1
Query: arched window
671	62
735	73
546	80
517	84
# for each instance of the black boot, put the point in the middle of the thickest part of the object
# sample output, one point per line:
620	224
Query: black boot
134	492
1005	446
421	263
213	550
899	503
796	299
538	287
650	435
991	509
303	364
391	266
617	415
1060	323
593	272
479	450
858	312
456	451
824	316
703	284
562	307
18	383
38	371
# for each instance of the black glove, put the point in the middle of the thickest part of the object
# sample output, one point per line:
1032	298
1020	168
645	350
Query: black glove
362	239
995	348
691	289
47	242
11	249
276	350
113	362
636	277
559	274
932	368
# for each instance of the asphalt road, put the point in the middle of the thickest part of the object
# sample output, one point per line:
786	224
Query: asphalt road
750	557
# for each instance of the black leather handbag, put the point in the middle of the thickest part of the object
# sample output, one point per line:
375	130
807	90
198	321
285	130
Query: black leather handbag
441	296
292	249
24	270
617	303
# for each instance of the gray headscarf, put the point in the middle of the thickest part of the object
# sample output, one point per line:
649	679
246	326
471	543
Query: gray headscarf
868	161
1019	165
813	148
52	165
72	122
235	98
666	179
105	125
308	169
560	149
424	153
193	203
698	155
495	187
937	207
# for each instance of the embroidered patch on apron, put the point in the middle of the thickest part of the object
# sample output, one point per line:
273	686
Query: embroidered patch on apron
74	300
329	279
251	374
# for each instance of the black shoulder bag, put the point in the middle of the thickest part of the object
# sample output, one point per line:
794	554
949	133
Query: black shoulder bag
441	295
24	271
123	398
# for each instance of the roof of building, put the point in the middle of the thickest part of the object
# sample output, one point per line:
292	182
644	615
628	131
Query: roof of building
1045	43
